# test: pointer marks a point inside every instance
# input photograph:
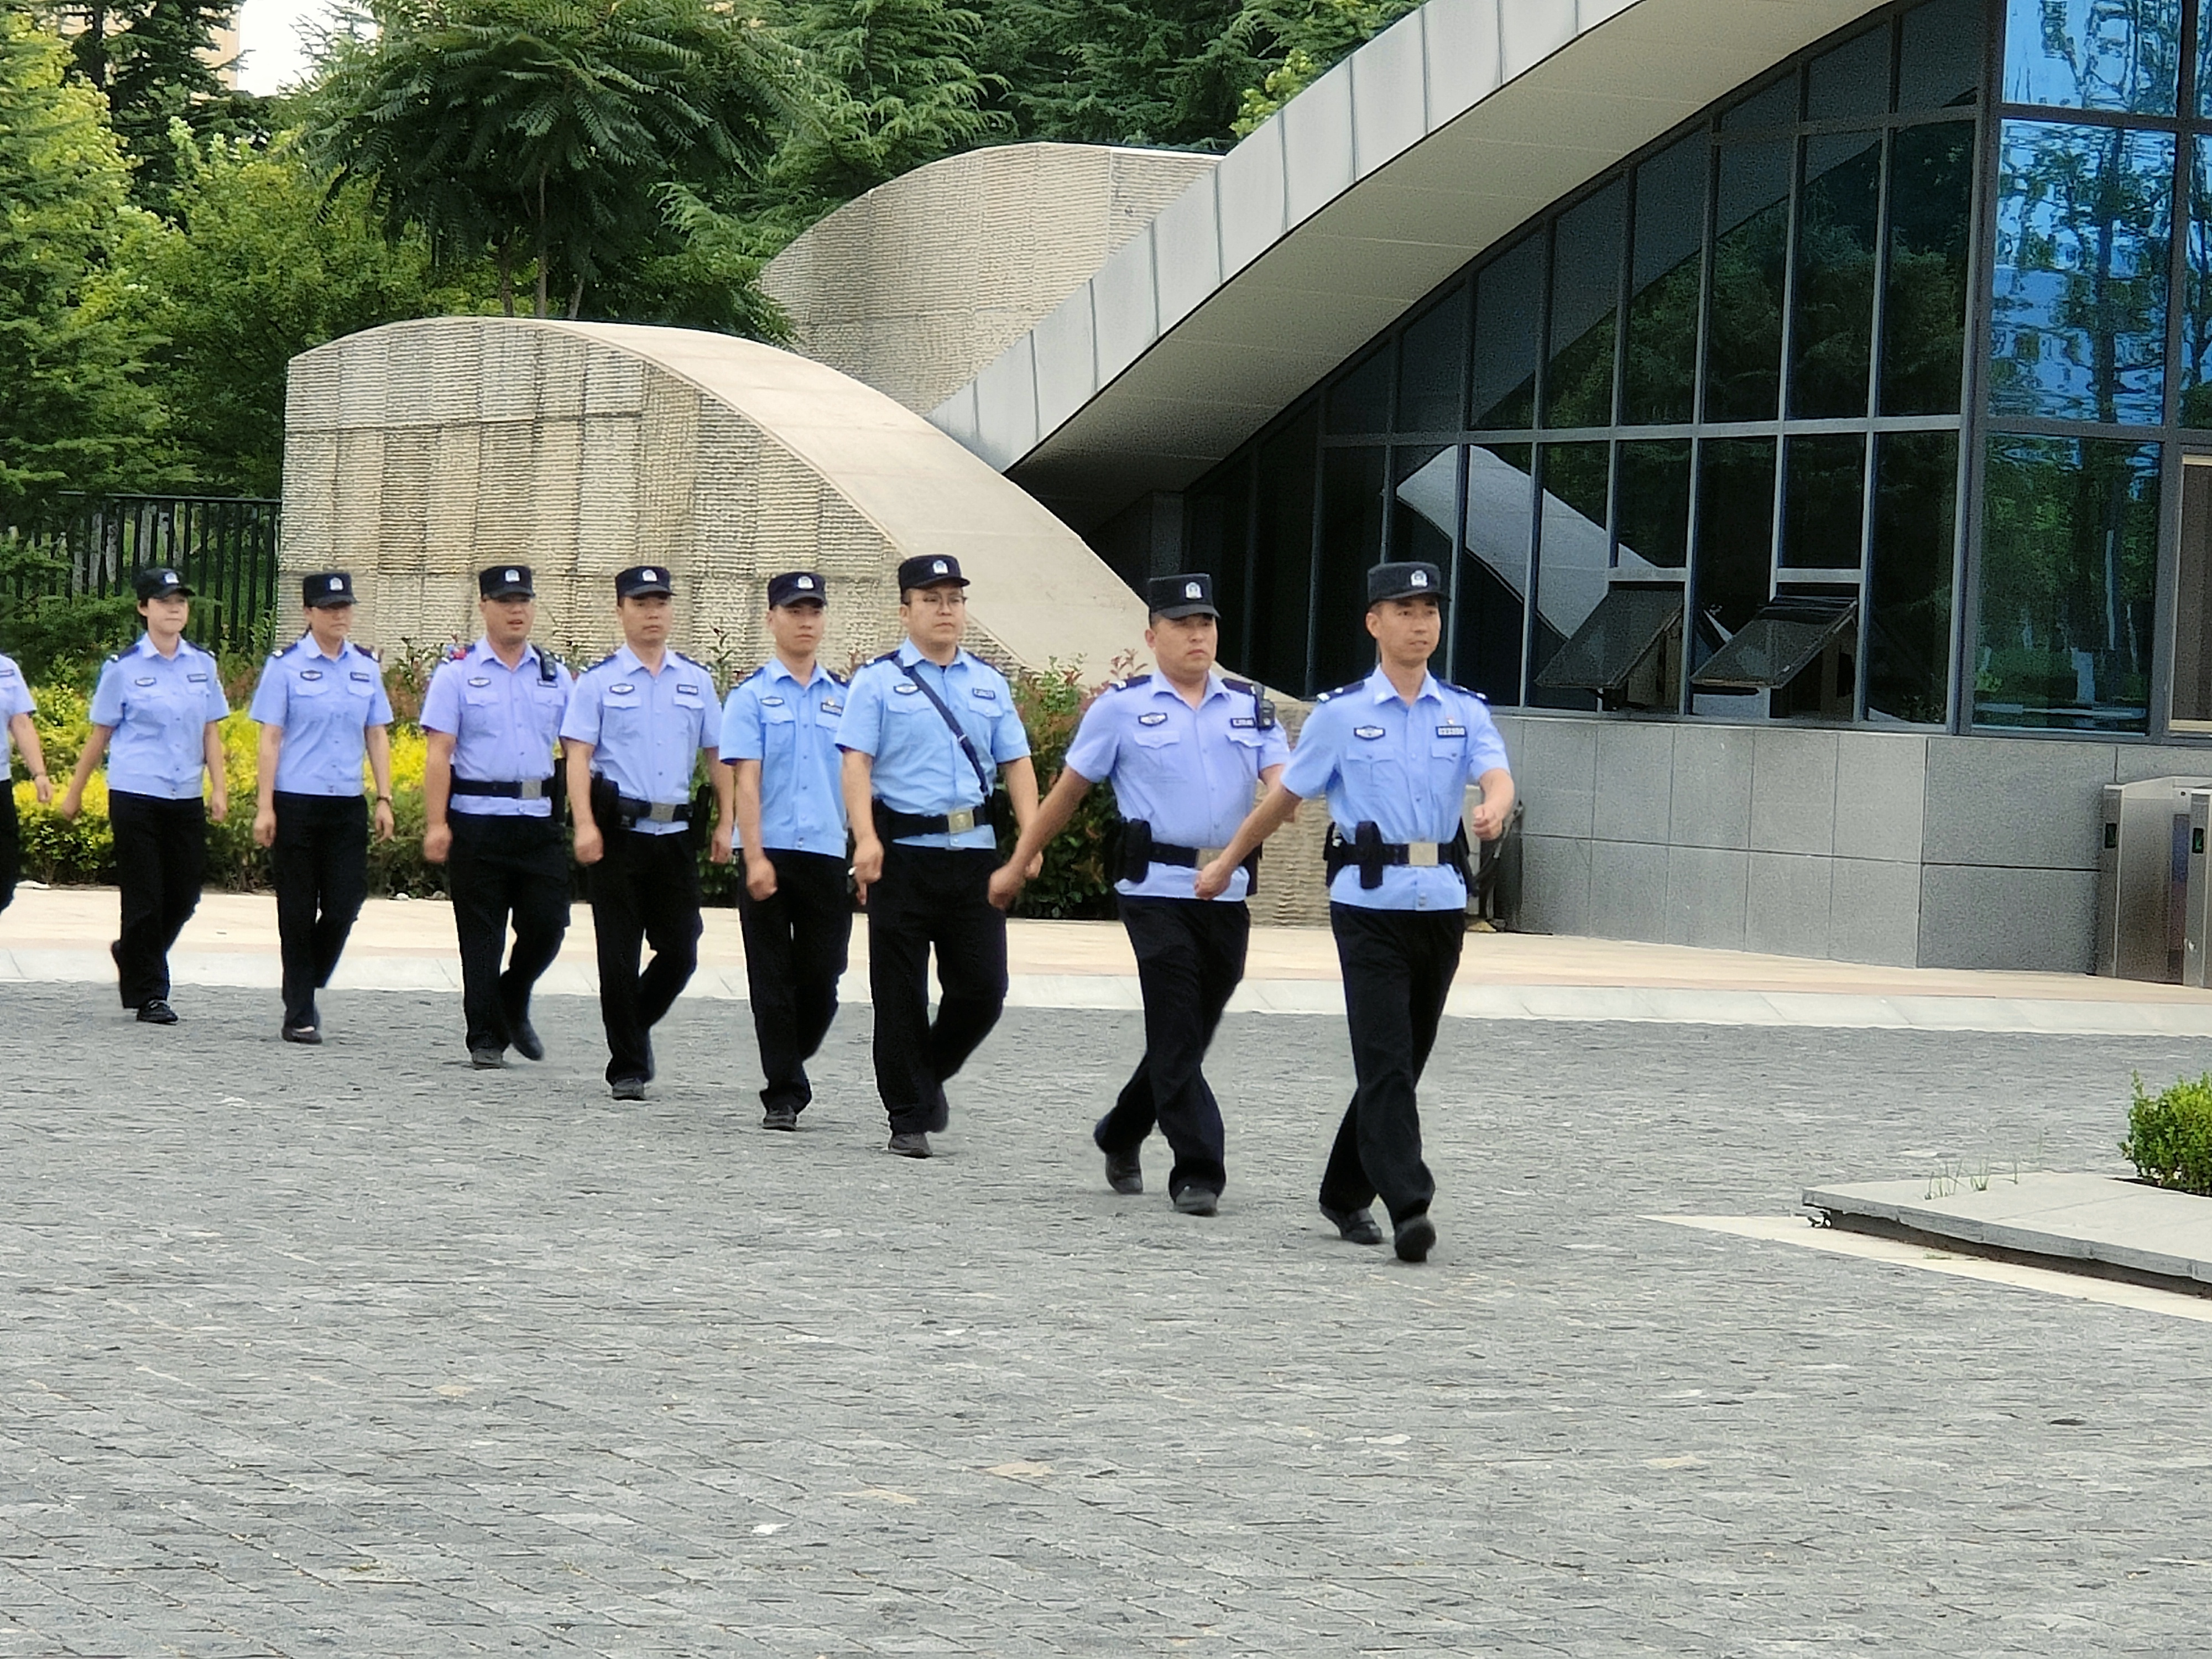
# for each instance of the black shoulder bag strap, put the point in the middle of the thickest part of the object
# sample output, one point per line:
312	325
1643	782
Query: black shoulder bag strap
967	744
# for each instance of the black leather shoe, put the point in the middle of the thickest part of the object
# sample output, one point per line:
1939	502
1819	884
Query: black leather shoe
487	1059
940	1117
1197	1201
779	1117
1357	1226
1125	1171
910	1143
1417	1237
307	1034
628	1088
157	1012
524	1036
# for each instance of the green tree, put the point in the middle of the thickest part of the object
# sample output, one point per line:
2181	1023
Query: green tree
1116	71
155	61
540	129
73	415
1300	40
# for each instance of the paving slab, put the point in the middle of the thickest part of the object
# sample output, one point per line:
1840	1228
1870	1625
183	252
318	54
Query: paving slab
2071	1218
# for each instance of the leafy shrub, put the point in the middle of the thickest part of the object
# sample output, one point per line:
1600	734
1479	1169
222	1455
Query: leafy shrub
1075	881
2169	1138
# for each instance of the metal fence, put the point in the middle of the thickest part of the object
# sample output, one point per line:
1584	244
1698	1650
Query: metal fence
225	546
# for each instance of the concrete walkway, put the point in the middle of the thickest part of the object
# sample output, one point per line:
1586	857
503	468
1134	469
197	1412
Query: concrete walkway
60	935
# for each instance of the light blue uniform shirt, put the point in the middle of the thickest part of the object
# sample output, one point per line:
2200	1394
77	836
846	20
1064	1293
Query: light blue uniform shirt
14	699
791	729
1405	769
159	708
918	764
503	722
646	729
1189	773
325	706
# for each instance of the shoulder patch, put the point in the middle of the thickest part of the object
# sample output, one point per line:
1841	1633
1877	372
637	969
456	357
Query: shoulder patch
458	653
1238	685
888	656
1339	690
836	678
1132	683
603	661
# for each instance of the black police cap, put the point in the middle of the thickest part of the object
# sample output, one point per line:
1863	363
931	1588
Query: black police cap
641	579
930	570
506	581
1415	580
155	581
797	587
326	588
1190	594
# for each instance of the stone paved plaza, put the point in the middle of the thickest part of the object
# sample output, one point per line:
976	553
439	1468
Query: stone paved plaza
356	1351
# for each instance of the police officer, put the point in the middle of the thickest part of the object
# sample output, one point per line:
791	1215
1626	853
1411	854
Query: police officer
1394	752
493	718
635	724
924	726
780	741
1184	749
155	715
321	707
16	731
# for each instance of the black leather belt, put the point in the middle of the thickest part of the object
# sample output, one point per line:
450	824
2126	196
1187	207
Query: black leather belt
1365	847
631	812
527	789
1139	852
894	825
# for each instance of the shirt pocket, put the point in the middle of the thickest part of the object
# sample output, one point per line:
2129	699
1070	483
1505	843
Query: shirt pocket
1155	737
778	727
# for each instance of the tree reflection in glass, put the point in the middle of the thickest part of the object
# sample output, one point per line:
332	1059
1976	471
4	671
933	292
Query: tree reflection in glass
1659	378
1735	539
1743	343
1838	221
1931	193
1822	496
2195	367
1909	583
2078	321
2118	55
1585	280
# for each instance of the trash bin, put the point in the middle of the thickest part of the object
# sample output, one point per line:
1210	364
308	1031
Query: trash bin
2196	891
2143	874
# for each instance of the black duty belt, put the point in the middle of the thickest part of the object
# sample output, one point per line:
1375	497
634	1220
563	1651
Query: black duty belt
1139	852
894	825
525	789
1365	847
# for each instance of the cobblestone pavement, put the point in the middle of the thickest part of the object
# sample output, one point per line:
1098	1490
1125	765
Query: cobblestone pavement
356	1351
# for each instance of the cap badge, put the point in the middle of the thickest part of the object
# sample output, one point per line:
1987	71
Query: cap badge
805	582
169	578
650	577
937	567
1193	591
514	576
338	584
1420	579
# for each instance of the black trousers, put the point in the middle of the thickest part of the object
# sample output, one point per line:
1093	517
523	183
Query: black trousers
501	867
1190	956
1398	968
11	855
320	864
160	858
796	944
644	891
931	896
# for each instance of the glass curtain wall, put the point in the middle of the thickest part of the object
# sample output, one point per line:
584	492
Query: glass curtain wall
1731	368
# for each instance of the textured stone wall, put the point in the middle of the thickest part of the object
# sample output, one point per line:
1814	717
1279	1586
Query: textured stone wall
915	286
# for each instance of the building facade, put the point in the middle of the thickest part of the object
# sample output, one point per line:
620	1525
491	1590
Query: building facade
1825	471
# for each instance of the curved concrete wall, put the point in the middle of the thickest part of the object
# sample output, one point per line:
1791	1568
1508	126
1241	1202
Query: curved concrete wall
918	284
418	453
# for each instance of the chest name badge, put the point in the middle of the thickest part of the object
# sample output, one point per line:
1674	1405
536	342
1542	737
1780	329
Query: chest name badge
982	691
622	691
313	674
831	707
1369	732
197	678
359	674
1241	720
143	679
906	688
684	690
771	703
1451	731
479	679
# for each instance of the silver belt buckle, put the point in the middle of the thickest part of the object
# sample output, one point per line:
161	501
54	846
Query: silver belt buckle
1207	854
662	812
961	822
533	789
1421	854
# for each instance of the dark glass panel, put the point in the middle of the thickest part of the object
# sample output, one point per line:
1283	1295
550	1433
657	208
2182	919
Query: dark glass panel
1433	367
1823	496
1573	560
2070	549
1351	541
1777	107
1509	304
2078	323
1659	378
1652	509
1218	540
1735	540
1743	349
1839	224
1492	577
1931	193
1585	281
1850	82
1282	571
2196	364
1940	60
1424	499
1916	480
1359	402
2093	54
2192	602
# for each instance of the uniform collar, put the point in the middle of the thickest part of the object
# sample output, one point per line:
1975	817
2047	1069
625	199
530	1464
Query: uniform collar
1214	687
314	650
1379	689
484	653
626	659
776	669
909	654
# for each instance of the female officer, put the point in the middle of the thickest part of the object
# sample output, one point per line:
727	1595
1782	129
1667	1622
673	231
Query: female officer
16	731
157	705
320	704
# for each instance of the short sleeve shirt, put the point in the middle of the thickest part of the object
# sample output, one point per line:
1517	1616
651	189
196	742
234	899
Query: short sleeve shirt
1404	768
791	729
160	708
14	699
646	729
1189	773
504	722
919	766
325	706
